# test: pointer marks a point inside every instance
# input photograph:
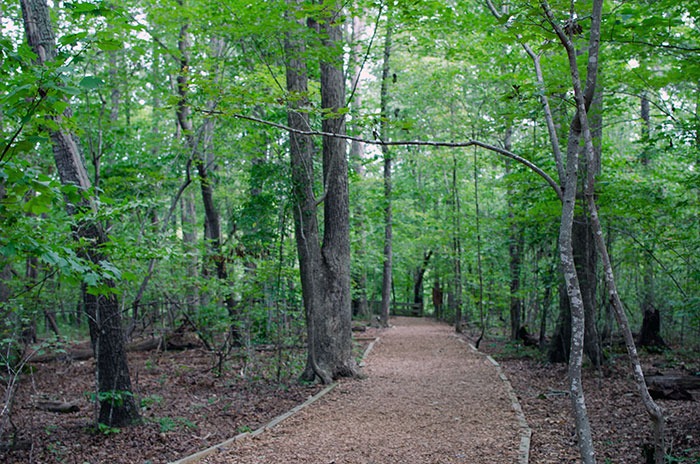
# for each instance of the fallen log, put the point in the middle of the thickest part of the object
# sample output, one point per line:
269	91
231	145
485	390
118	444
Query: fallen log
182	338
686	382
60	407
74	354
673	387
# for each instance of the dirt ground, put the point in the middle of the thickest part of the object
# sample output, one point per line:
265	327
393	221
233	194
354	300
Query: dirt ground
622	430
184	405
414	398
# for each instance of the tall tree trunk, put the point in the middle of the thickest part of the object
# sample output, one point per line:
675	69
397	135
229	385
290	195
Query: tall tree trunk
357	150
301	150
515	250
650	332
200	147
335	339
117	406
325	271
457	248
583	97
387	266
549	279
566	242
589	271
586	258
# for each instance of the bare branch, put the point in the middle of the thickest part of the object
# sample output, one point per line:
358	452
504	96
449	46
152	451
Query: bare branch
493	9
421	143
553	137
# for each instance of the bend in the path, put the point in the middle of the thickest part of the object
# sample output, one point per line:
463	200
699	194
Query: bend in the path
428	399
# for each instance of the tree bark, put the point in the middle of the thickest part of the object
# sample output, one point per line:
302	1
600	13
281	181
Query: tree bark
438	299
117	406
583	96
586	258
325	271
188	219
334	340
456	293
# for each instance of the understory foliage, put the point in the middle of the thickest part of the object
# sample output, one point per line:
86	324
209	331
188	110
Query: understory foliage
456	73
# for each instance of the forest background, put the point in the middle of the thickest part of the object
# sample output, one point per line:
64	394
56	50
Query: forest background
187	210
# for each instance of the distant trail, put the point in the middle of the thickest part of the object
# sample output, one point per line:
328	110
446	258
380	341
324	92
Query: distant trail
428	398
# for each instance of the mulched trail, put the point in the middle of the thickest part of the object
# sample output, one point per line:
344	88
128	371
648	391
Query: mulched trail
427	398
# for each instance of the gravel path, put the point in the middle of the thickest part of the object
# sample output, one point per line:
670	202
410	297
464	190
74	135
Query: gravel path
428	398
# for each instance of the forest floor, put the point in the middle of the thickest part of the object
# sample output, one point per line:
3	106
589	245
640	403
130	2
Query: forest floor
622	430
426	398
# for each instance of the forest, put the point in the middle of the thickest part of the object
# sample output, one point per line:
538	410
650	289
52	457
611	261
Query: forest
259	180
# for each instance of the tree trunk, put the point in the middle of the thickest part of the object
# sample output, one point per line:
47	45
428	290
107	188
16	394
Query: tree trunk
650	333
559	345
387	267
325	272
515	250
117	406
582	98
418	299
457	248
334	341
586	258
357	151
577	309
200	148
438	299
188	219
578	125
549	279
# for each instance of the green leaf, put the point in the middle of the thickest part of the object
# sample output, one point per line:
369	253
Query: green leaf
109	45
91	82
38	204
109	270
70	90
60	106
72	39
84	7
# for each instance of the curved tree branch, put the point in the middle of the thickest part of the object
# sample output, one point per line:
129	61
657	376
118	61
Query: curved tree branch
421	143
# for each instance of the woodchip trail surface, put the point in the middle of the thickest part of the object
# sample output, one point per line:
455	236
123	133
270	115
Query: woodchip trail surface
427	398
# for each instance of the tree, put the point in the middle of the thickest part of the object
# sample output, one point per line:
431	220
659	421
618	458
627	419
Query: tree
324	268
584	98
387	262
199	145
117	405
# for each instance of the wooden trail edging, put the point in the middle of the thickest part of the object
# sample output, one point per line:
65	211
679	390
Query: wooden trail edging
525	430
196	457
